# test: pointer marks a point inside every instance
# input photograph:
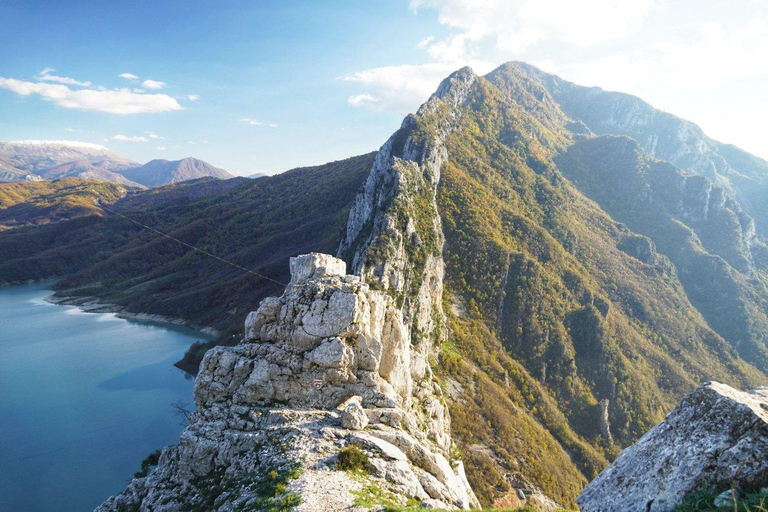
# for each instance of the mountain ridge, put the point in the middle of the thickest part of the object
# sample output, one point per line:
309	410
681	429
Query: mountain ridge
34	160
160	172
568	314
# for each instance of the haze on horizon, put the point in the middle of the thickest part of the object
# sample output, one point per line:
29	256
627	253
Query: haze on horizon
264	88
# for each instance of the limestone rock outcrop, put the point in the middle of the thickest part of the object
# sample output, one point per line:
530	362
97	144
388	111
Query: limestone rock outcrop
326	365
716	439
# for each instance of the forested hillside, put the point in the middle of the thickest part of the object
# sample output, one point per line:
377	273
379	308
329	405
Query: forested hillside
588	284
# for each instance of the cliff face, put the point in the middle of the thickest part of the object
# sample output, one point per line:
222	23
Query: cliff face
337	360
663	136
716	439
325	366
394	236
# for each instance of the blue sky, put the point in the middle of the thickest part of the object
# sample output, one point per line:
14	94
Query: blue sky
266	86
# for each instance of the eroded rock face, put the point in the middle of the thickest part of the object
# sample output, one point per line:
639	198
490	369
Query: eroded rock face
326	365
334	362
715	439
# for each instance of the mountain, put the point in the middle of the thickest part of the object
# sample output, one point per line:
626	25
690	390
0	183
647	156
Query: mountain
44	202
326	389
33	160
10	173
566	286
160	172
257	175
257	224
663	136
58	159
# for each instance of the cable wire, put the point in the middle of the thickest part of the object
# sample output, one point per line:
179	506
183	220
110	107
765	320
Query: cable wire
189	245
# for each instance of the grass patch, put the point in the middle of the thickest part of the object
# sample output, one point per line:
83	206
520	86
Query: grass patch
372	495
352	458
704	501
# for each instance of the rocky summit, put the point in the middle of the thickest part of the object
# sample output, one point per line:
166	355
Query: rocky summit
325	369
716	439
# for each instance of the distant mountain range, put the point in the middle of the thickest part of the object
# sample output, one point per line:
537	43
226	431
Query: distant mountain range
35	160
163	172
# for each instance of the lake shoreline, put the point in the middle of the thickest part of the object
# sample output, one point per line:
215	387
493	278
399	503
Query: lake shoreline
86	396
94	305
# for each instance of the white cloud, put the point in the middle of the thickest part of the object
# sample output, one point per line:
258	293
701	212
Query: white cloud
113	101
129	76
46	76
254	122
161	148
193	97
425	42
153	84
517	24
402	89
153	135
130	138
191	142
511	25
717	57
362	100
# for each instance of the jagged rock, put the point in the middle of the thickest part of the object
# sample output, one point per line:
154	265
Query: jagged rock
715	439
353	417
318	365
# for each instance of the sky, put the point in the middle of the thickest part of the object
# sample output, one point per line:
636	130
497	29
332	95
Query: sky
265	86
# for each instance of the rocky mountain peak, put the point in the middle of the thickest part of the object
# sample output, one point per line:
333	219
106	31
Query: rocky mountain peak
454	89
327	359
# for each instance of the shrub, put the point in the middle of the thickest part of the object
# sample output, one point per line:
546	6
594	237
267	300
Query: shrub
352	458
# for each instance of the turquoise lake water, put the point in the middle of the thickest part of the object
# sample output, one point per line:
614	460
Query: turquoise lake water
84	397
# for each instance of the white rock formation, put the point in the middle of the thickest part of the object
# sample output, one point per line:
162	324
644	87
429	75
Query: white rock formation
715	439
326	365
337	360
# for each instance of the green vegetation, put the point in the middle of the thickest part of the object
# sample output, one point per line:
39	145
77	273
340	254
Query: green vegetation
45	202
149	462
257	224
352	458
372	495
271	490
704	501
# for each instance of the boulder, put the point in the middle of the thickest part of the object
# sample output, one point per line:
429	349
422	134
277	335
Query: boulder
716	439
353	417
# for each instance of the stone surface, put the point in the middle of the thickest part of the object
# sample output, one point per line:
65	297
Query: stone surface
353	417
717	438
318	365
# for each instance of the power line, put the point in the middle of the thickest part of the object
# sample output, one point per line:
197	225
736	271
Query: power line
189	245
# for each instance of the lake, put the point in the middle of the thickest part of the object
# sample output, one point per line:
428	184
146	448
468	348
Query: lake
84	397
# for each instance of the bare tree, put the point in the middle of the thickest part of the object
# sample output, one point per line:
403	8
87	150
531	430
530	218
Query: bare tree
181	409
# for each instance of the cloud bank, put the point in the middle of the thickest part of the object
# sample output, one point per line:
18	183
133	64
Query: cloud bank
60	91
512	26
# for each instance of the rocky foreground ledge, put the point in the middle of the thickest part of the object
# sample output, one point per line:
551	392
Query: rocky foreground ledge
321	407
716	439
